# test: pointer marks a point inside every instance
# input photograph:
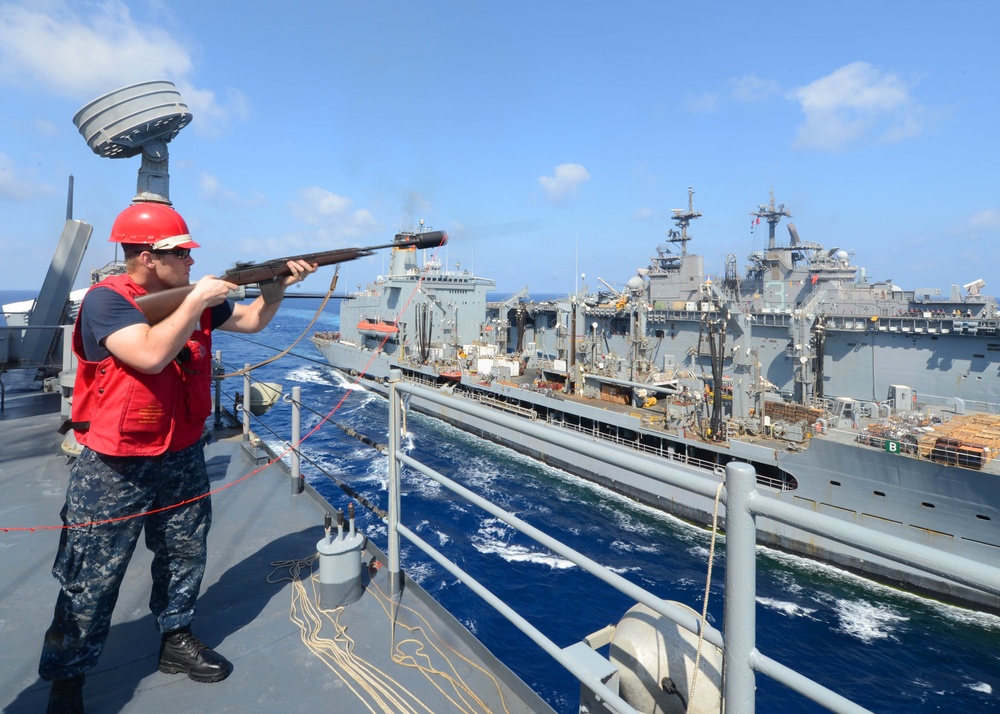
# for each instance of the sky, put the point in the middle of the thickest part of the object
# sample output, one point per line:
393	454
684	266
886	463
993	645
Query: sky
551	140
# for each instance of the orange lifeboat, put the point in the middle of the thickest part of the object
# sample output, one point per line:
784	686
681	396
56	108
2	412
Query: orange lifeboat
377	329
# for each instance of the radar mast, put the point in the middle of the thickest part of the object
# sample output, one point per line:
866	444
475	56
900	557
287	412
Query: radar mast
773	216
683	219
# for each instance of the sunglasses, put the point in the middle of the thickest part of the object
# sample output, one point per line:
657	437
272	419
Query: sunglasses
181	253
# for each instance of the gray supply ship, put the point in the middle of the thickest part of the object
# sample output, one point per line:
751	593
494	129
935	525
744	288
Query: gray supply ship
850	397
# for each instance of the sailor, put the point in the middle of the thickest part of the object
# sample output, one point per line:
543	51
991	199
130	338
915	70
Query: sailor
140	401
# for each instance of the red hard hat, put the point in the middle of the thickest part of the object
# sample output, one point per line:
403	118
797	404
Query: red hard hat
154	224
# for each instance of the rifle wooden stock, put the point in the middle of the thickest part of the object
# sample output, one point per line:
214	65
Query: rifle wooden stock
157	306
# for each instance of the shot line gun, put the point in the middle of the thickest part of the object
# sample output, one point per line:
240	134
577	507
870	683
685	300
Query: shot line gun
157	306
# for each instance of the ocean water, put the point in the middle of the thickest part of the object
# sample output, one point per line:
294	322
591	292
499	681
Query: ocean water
887	650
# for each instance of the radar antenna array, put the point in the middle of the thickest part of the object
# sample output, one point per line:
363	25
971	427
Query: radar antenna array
683	219
138	119
773	214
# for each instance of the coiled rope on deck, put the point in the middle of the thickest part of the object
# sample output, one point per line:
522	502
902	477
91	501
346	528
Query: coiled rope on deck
423	650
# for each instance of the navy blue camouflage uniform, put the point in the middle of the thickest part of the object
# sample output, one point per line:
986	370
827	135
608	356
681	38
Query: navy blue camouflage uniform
103	497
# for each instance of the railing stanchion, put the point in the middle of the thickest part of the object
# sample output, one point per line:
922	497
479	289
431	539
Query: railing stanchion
297	485
395	421
246	402
217	371
740	623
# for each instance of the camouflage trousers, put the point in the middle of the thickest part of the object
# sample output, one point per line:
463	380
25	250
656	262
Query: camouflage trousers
92	557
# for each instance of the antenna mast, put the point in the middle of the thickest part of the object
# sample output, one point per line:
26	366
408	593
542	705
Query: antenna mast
773	216
683	219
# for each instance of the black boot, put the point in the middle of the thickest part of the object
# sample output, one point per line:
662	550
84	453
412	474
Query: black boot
66	696
182	652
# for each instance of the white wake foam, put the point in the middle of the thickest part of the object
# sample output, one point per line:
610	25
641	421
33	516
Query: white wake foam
947	611
493	539
867	621
308	374
626	547
344	382
789	608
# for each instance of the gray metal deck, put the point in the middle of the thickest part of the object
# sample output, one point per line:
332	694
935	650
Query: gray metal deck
257	523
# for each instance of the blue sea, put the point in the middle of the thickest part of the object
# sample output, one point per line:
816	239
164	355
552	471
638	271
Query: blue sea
885	649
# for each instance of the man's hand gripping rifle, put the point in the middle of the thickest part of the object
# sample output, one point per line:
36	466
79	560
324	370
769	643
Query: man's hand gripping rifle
157	306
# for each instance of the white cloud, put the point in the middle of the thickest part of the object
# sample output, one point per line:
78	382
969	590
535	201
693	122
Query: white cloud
334	214
15	185
84	51
701	103
644	214
565	183
46	128
212	115
213	190
986	220
855	102
48	43
752	88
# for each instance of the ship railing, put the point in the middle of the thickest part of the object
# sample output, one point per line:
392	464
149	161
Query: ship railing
743	506
13	339
595	433
663	450
959	405
418	378
809	305
506	406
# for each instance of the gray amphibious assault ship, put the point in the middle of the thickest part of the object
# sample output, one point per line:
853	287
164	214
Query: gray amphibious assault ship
850	397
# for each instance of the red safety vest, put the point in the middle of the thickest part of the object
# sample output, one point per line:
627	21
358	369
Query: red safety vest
119	411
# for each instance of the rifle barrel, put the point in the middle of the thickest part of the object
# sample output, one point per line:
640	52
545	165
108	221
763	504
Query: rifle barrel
157	306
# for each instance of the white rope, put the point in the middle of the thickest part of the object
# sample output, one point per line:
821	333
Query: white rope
377	690
708	589
269	360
